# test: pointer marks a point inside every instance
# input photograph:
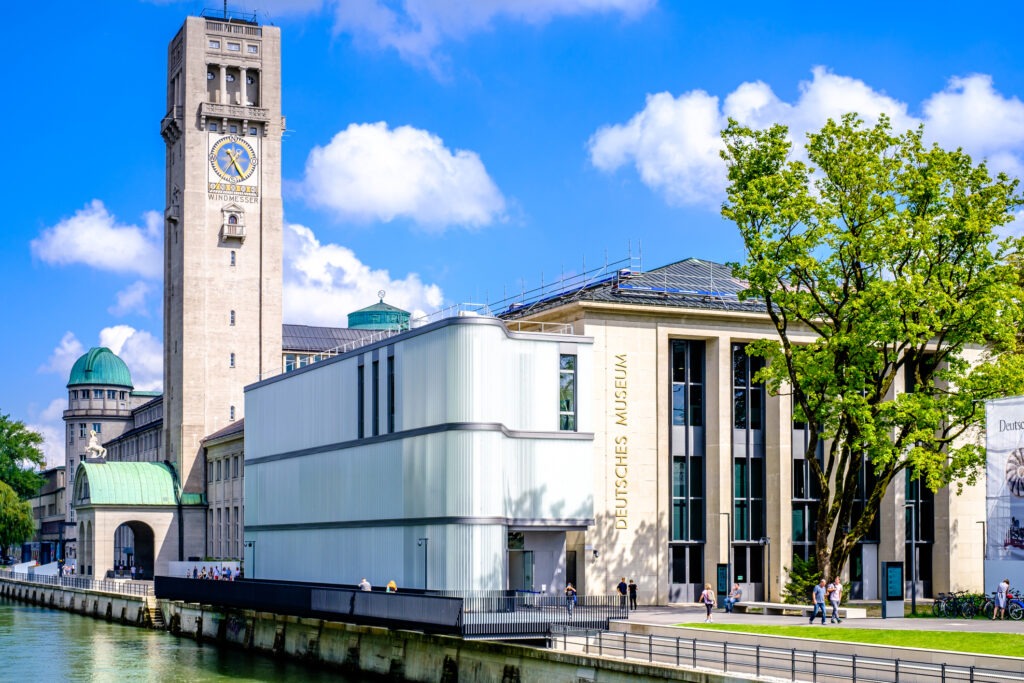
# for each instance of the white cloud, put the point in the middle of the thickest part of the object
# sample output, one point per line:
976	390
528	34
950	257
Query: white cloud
50	424
141	352
369	172
323	283
416	28
673	142
64	355
131	299
94	237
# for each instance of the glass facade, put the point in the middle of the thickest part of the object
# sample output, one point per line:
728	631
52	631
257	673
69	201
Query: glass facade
567	392
748	471
687	443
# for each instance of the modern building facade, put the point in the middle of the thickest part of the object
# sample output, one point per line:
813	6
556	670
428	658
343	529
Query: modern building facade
455	455
48	510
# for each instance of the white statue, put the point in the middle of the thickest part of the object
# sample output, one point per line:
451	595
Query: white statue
94	448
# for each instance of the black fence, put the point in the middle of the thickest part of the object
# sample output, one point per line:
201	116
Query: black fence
491	614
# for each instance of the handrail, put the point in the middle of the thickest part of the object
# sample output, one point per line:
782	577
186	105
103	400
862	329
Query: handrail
804	666
120	587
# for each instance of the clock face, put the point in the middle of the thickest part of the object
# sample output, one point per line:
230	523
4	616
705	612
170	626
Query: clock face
233	159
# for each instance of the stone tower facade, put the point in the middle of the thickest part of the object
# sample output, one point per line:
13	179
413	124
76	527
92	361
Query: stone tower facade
223	229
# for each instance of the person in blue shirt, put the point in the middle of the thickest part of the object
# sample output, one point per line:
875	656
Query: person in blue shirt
819	602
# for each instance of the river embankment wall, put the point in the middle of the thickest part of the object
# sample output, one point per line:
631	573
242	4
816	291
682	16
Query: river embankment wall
399	655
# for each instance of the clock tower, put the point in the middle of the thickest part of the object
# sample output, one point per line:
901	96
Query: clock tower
222	232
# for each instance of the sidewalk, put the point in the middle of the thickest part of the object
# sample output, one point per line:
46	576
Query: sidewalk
693	615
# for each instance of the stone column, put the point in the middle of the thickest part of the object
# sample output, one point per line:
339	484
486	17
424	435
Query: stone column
223	84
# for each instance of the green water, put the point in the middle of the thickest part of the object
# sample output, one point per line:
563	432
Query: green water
40	644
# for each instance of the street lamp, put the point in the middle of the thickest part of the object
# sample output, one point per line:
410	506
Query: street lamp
252	546
424	543
728	566
766	543
913	560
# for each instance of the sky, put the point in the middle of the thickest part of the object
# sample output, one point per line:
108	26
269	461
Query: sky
447	151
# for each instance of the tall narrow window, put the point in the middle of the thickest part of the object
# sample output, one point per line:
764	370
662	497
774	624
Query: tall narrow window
231	360
360	402
231	414
375	396
391	394
567	392
232	257
232	318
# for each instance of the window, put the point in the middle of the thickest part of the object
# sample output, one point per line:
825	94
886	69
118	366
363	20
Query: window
97	393
234	466
210	76
124	395
231	360
233	129
360	402
232	319
231	414
375	396
234	47
218	477
232	258
212	126
111	394
567	392
391	394
232	219
97	427
253	130
252	49
214	44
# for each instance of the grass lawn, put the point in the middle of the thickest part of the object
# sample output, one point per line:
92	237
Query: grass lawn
1003	644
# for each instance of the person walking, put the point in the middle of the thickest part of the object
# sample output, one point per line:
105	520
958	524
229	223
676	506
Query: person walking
708	598
364	585
570	599
835	596
735	595
819	602
392	587
632	594
1002	596
622	590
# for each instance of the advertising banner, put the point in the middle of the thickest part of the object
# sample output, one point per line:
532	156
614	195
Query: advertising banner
1004	495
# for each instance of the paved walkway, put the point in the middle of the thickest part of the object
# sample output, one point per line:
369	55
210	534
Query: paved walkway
686	614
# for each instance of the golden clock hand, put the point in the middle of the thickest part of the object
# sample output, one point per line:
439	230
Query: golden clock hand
234	161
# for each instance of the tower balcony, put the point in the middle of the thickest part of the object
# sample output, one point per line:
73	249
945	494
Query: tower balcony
214	110
232	232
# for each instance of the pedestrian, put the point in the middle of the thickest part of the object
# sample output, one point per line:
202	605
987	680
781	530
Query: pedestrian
835	596
570	598
216	573
133	572
632	594
392	587
622	590
708	598
1002	593
227	573
735	595
818	597
195	572
364	585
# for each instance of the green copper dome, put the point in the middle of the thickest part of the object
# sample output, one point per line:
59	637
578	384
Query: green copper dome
379	316
100	366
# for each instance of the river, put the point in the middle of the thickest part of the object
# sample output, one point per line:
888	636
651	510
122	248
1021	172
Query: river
52	645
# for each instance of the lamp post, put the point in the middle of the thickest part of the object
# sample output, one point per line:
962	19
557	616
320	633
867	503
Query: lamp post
766	543
913	560
252	546
424	543
728	559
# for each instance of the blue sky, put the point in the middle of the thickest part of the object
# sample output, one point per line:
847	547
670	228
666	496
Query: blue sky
447	151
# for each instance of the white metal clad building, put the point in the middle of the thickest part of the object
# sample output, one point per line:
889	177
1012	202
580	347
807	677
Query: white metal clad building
461	432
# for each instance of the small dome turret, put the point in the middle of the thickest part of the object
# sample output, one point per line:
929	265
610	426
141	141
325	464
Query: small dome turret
100	366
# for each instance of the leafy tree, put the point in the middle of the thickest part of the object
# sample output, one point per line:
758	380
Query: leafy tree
878	261
16	522
802	577
19	451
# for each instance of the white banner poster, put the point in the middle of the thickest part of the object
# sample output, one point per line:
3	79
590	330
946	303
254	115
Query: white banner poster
1005	479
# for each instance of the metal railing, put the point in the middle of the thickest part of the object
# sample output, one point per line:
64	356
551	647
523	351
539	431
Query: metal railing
529	615
792	664
120	587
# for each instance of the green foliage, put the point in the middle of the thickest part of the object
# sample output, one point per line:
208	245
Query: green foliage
804	575
879	266
16	523
19	451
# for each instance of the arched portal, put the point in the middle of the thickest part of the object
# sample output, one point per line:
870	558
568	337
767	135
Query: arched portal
134	547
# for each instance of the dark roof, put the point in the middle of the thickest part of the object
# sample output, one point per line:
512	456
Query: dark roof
236	427
307	338
690	283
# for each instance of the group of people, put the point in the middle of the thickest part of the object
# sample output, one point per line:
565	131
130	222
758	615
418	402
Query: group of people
831	591
708	599
626	590
215	573
365	586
